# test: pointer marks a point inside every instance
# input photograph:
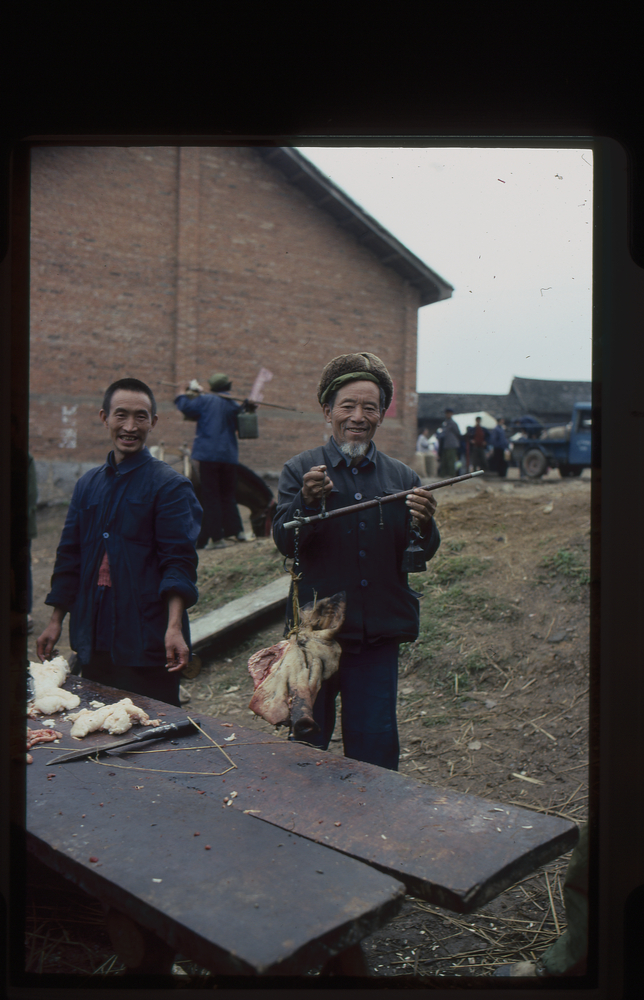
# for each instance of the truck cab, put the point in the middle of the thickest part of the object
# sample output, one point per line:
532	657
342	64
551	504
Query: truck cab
566	447
580	435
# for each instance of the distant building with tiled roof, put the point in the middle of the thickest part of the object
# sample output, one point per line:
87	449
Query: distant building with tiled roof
549	400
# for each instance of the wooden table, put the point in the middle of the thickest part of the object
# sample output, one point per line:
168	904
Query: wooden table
313	853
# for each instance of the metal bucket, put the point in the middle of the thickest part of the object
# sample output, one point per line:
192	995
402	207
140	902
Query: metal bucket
247	426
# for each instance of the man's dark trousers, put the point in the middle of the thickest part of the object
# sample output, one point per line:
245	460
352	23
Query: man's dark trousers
220	515
500	464
448	462
368	685
478	458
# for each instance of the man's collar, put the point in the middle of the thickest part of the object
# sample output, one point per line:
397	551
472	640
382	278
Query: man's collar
130	463
370	455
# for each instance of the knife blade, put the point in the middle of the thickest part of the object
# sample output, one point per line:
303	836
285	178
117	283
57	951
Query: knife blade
150	733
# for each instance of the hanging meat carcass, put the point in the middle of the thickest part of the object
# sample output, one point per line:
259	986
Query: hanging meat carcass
287	676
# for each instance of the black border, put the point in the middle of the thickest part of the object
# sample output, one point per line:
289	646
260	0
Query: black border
606	261
474	70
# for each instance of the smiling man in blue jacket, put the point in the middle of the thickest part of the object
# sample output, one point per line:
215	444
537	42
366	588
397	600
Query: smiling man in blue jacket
126	563
360	554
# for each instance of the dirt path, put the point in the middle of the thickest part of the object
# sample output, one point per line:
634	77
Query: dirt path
493	696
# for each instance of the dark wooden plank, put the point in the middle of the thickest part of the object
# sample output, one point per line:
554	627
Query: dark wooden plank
457	851
260	901
245	609
454	850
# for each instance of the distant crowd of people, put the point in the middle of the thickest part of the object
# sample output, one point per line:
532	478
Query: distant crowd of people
449	452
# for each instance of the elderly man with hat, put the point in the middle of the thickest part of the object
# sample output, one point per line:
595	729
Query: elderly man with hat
360	554
216	449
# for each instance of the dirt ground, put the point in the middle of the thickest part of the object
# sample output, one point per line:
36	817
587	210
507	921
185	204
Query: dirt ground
493	698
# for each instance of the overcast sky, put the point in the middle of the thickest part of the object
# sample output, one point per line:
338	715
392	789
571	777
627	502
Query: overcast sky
511	230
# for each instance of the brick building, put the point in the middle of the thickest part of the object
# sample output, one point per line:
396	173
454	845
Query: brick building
168	263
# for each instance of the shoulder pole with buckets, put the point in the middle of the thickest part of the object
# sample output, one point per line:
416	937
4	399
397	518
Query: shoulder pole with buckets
247	423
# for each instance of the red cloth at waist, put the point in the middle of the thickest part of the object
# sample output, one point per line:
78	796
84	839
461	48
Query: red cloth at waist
104	578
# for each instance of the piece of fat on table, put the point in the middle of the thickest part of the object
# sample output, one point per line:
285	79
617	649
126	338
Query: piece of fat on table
49	695
114	719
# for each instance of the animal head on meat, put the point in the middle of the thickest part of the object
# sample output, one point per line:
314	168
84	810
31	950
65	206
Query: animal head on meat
324	617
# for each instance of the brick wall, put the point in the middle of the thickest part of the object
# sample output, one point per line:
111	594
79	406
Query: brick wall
169	263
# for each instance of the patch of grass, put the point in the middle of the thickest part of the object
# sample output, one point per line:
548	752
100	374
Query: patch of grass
225	575
433	633
435	720
453	544
441	610
495	609
571	563
475	664
436	615
449	569
481	603
445	615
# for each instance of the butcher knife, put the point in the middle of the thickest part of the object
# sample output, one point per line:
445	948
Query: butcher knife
132	741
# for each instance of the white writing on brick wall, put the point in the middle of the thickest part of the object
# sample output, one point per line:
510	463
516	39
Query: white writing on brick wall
68	432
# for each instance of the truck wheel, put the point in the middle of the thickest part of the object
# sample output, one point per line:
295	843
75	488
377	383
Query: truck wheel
534	463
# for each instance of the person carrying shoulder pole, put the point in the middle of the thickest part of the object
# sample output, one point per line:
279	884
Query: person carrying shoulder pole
217	452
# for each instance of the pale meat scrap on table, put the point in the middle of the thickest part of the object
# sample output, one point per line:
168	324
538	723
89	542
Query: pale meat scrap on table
114	719
49	696
40	736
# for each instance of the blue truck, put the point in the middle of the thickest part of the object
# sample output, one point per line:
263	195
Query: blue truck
566	447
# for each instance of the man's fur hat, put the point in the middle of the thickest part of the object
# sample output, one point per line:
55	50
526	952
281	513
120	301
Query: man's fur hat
356	367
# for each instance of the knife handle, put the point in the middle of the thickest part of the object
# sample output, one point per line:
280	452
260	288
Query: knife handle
167	729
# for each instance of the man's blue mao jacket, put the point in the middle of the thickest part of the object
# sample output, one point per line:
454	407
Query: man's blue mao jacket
216	436
353	553
147	518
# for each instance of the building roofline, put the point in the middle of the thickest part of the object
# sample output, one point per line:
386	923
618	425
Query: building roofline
514	388
349	216
520	398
